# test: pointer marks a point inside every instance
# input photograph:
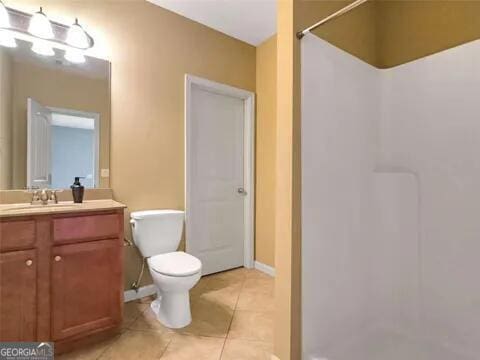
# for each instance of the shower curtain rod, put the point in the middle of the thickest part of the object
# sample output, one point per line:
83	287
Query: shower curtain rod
340	12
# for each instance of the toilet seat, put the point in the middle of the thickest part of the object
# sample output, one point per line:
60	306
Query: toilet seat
176	263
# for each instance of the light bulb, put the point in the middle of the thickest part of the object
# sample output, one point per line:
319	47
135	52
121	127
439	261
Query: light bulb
4	17
75	56
7	39
77	37
42	48
40	25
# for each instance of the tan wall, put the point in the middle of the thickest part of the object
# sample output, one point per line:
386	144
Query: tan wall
408	30
56	89
151	49
266	84
388	33
288	193
354	32
5	120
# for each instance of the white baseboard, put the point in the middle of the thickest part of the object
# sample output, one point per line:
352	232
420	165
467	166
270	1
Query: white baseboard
267	269
130	295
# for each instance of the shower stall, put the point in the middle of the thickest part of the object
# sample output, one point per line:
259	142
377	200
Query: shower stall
390	206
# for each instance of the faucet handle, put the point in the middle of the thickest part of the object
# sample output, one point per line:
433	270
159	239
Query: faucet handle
53	196
35	195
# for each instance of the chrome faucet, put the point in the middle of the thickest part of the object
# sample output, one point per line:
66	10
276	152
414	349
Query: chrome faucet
44	196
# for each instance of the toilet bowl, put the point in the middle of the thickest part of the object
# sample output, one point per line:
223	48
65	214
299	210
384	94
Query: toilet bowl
157	234
174	274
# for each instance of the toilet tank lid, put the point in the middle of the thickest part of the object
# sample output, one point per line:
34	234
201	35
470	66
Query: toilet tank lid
137	215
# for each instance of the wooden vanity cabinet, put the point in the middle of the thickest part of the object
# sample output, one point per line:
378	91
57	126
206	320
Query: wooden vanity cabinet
62	280
18	291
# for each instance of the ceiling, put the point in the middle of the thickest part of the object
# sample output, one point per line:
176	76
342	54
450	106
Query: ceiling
252	21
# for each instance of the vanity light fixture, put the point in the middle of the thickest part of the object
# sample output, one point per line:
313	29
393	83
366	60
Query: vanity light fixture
45	35
75	56
77	37
6	39
4	17
41	47
40	26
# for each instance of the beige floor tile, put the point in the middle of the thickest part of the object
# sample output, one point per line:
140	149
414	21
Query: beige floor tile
208	319
145	345
221	292
264	285
186	347
252	325
201	285
89	352
233	276
255	274
255	301
246	350
148	321
131	311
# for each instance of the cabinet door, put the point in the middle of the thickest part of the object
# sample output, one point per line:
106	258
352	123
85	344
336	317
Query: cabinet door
18	291
87	289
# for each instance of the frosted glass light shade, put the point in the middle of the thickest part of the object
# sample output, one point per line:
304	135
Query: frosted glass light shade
42	48
40	26
75	56
4	17
7	39
77	37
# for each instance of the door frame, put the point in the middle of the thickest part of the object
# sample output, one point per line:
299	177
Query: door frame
248	159
96	144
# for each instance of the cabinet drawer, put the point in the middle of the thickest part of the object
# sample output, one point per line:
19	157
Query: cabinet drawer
85	227
17	234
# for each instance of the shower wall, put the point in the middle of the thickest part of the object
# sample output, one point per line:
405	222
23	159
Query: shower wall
339	114
430	125
390	204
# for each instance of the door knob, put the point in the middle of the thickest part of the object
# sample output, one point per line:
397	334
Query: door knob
58	258
29	262
241	191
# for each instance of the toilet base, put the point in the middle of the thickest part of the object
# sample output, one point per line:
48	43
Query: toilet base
173	309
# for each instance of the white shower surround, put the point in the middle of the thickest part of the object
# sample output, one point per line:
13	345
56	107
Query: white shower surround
390	170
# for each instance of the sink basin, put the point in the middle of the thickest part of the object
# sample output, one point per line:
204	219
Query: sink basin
39	206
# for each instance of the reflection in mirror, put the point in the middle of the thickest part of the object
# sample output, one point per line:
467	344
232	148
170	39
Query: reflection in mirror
54	120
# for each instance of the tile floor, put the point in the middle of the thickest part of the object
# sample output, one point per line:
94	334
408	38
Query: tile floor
232	320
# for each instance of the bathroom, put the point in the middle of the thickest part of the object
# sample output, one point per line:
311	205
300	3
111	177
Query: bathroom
352	239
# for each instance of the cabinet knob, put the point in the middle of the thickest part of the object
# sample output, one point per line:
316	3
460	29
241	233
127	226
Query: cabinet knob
58	258
29	262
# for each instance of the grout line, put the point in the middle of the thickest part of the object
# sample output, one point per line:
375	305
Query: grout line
166	347
223	348
108	348
233	314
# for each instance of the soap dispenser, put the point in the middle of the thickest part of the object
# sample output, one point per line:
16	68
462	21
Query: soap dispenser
77	190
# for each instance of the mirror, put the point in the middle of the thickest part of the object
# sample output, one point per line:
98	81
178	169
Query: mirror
54	120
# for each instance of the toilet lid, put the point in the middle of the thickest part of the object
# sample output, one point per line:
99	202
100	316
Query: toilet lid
175	264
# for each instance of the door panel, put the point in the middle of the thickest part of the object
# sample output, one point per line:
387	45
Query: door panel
86	287
215	208
18	295
39	148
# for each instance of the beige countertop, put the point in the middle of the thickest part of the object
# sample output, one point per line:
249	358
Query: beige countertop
26	209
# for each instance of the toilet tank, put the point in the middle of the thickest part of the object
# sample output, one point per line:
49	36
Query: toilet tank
157	231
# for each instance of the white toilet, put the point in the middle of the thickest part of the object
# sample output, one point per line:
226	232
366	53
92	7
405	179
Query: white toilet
157	234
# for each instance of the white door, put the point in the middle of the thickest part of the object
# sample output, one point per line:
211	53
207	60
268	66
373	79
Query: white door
216	195
39	120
